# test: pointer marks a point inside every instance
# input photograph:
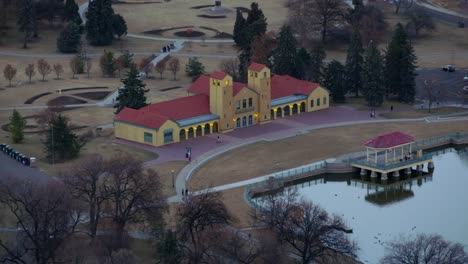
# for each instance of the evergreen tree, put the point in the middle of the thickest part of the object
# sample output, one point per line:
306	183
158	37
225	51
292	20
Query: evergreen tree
244	62
372	81
334	80
61	143
71	12
132	95
354	63
69	39
167	248
119	25
194	68
99	25
239	27
107	63
255	14
255	25
284	56
302	63
17	124
393	60
26	19
317	55
407	75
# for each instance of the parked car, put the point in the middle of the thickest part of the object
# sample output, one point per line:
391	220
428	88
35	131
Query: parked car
465	78
448	68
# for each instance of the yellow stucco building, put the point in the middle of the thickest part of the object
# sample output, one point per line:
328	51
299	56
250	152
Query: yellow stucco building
217	104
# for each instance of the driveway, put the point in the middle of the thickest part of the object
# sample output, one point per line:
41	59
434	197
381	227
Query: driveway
11	168
448	84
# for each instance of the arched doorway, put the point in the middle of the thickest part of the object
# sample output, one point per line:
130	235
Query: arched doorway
250	120
238	125
182	134
215	127
206	128
199	131
294	109
279	112
287	110
272	113
190	132
244	121
303	107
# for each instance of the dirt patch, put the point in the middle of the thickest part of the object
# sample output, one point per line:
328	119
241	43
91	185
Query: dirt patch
201	6
65	100
189	34
93	95
82	88
162	30
169	88
212	16
34	98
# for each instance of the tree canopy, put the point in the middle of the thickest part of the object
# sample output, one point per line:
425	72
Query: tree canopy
132	94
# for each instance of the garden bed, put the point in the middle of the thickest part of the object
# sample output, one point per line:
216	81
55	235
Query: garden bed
93	95
189	34
83	88
162	30
34	98
66	100
212	16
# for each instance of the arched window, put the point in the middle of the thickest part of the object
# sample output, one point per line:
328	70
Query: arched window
244	121
250	120
238	122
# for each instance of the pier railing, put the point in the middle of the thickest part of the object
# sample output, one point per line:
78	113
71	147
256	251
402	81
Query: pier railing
392	165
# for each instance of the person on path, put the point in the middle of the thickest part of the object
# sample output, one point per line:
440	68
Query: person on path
391	108
182	191
218	140
186	192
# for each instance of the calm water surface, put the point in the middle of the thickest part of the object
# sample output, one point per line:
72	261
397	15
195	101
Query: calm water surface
438	204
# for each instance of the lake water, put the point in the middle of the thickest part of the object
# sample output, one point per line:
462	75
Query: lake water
437	203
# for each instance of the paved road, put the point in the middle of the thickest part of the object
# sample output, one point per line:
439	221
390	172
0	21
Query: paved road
11	168
448	85
441	13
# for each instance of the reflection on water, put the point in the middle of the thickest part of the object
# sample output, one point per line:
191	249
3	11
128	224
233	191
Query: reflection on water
434	202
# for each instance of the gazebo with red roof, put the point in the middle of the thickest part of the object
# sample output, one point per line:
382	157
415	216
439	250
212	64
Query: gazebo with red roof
389	143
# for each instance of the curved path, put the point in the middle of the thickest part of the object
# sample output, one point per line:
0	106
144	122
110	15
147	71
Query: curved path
441	13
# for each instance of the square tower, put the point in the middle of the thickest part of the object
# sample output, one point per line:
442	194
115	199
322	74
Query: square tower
259	79
221	99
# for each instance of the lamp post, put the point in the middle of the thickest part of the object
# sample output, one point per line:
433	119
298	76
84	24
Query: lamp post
173	184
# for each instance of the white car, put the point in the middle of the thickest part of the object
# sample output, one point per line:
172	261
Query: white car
465	78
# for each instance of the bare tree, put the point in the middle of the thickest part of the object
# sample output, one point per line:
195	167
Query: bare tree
424	249
306	227
146	65
58	69
174	66
160	67
43	67
198	215
134	195
89	66
44	117
419	19
261	48
9	72
85	180
320	14
228	243
29	71
45	216
431	89
75	63
231	67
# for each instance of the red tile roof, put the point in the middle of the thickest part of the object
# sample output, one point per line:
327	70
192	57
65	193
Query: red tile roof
256	67
218	75
202	86
141	117
182	108
389	140
284	85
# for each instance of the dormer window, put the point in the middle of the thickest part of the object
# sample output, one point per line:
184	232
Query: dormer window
251	73
214	82
219	83
256	75
227	82
264	74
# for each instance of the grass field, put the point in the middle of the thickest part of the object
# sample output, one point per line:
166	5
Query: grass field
416	113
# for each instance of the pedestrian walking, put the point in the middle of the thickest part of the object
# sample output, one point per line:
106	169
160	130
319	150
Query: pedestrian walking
189	158
391	108
182	191
164	49
186	192
218	140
